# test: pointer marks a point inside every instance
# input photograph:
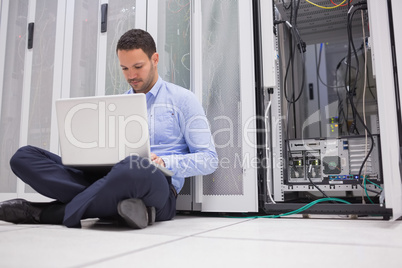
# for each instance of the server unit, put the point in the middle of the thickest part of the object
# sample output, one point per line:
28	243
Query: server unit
337	166
333	161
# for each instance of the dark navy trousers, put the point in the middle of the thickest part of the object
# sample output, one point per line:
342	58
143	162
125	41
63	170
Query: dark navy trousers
94	195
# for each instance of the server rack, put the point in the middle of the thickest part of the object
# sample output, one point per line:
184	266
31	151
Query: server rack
328	165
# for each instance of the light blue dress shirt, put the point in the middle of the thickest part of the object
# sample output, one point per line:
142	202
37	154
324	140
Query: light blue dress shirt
179	132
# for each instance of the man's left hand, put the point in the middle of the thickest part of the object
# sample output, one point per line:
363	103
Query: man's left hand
157	160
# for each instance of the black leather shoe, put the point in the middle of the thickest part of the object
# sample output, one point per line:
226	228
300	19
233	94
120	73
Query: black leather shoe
135	213
19	211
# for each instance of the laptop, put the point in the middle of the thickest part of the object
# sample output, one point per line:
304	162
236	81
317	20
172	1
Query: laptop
98	132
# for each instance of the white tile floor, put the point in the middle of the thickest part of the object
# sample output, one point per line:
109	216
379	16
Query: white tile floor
200	241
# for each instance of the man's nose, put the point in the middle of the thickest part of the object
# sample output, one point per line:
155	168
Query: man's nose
132	74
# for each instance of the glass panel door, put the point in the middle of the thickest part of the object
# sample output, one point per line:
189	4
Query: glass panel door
221	92
41	91
84	48
121	18
228	97
173	46
173	43
41	87
10	116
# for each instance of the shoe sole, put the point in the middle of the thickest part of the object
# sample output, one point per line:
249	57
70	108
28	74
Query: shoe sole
134	212
151	215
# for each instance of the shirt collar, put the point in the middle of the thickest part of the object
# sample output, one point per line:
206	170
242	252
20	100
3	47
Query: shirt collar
155	89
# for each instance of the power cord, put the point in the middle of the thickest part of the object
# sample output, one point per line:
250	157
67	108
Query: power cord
298	211
311	181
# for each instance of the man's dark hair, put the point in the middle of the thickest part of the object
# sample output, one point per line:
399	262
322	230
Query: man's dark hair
137	38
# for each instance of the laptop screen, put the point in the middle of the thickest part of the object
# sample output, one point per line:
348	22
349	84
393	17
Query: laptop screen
102	130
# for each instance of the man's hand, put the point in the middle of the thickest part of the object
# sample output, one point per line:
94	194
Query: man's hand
157	160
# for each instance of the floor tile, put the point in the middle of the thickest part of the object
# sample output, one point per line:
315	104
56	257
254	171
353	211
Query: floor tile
9	227
201	241
63	247
191	225
213	252
331	231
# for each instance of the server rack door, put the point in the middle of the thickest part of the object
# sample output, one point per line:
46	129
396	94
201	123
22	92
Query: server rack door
223	43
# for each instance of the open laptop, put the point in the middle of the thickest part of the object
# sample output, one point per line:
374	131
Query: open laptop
97	132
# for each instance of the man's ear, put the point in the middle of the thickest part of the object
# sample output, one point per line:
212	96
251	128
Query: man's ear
155	58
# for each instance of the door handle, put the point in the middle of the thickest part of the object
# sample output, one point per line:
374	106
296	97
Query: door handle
104	18
30	35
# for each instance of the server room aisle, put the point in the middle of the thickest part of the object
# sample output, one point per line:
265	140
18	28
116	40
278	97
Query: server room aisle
200	241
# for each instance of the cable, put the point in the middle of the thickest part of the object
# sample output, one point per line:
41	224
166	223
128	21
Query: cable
266	146
364	101
351	89
378	186
342	112
373	191
314	4
287	7
344	5
318	71
342	119
294	32
315	185
365	189
302	48
352	11
303	208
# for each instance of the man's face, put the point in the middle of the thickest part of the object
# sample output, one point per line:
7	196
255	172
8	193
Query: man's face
140	71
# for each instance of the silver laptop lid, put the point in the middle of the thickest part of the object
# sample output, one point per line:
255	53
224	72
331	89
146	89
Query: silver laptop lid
102	130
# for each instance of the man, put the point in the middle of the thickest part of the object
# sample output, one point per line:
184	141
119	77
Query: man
137	193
